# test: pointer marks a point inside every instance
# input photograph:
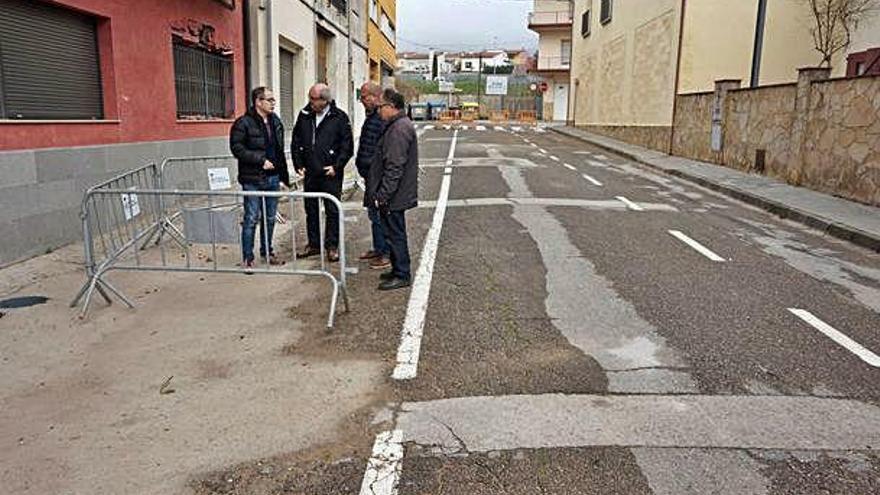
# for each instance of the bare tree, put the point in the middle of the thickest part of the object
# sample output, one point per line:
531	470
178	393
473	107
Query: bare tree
834	22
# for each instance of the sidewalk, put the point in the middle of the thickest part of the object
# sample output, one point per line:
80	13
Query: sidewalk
847	220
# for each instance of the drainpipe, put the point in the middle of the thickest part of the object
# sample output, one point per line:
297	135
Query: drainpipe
246	38
350	62
270	37
758	48
677	75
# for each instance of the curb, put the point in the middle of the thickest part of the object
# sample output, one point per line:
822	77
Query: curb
838	230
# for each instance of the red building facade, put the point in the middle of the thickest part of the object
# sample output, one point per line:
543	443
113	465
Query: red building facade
166	70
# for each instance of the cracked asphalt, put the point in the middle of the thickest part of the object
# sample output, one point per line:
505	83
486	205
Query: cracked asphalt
573	346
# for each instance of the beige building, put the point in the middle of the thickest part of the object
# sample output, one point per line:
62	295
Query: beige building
552	20
631	57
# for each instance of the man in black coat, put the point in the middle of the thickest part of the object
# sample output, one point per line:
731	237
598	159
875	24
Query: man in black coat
321	147
257	141
393	186
379	256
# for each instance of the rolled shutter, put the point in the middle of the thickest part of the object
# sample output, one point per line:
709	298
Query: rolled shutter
49	66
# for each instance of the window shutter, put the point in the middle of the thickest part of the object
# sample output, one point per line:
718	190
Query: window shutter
49	67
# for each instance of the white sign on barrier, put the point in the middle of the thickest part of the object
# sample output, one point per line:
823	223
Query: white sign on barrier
496	85
446	87
218	178
130	205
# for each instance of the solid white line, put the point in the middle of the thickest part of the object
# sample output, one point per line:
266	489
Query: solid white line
590	179
835	335
447	170
569	166
629	204
542	150
414	323
554	158
696	245
384	466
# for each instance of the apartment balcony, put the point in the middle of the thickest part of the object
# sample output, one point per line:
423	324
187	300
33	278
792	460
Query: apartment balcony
552	65
550	20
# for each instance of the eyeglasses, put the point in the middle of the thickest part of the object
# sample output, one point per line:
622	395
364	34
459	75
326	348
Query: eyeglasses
270	100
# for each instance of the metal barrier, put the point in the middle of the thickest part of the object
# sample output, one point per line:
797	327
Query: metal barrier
499	116
117	228
527	117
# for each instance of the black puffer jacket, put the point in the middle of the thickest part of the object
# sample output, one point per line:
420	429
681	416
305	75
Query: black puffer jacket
247	141
394	174
371	131
330	144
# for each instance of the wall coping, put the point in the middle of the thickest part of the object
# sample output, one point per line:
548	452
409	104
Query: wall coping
845	78
696	93
768	86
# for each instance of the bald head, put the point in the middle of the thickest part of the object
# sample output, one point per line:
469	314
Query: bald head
319	97
370	95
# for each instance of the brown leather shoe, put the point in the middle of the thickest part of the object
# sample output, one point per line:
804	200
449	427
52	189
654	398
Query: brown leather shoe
380	263
332	255
368	255
307	251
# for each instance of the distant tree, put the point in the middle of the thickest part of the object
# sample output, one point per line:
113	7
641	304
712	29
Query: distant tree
834	22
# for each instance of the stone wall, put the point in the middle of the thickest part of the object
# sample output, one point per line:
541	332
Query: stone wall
655	137
818	133
693	127
760	119
841	145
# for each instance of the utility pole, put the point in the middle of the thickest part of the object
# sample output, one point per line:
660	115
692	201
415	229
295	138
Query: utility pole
479	84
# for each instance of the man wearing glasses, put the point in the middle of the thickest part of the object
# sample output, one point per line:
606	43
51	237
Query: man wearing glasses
321	147
257	141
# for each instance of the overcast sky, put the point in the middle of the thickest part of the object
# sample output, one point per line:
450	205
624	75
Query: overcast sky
457	25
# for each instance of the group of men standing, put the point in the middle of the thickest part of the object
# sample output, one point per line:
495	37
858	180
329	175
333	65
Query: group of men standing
321	146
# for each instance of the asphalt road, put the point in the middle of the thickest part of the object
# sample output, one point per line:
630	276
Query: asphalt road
594	327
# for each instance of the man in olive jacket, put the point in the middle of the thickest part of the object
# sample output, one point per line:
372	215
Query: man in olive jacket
257	141
393	186
321	147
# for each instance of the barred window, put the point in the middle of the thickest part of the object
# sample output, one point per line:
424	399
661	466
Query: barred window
203	82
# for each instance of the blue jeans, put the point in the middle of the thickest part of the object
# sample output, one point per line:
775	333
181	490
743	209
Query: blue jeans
253	216
380	244
395	226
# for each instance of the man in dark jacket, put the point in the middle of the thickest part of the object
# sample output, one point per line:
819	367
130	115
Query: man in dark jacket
393	184
257	141
380	255
321	147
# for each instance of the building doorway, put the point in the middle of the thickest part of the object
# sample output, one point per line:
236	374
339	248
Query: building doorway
560	101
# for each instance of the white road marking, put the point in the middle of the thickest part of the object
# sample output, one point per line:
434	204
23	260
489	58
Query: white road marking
516	129
542	150
481	128
569	166
447	127
554	158
629	204
429	127
592	180
534	145
414	323
696	246
499	128
464	127
384	466
583	152
837	336
447	170
596	164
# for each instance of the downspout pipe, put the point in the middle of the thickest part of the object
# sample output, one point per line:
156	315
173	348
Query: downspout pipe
351	95
758	49
677	75
270	50
246	38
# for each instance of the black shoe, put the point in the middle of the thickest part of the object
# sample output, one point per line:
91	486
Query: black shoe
395	283
387	275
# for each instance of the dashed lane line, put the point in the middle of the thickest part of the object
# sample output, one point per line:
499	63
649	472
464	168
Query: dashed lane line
837	336
696	246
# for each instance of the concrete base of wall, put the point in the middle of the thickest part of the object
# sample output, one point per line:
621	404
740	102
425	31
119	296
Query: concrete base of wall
655	137
41	190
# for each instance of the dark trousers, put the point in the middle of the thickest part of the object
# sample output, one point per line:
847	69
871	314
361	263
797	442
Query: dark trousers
394	223
313	217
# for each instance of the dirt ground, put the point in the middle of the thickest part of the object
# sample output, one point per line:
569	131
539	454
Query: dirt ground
249	373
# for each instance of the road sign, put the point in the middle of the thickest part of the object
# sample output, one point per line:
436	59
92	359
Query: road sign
533	87
496	85
447	86
544	86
